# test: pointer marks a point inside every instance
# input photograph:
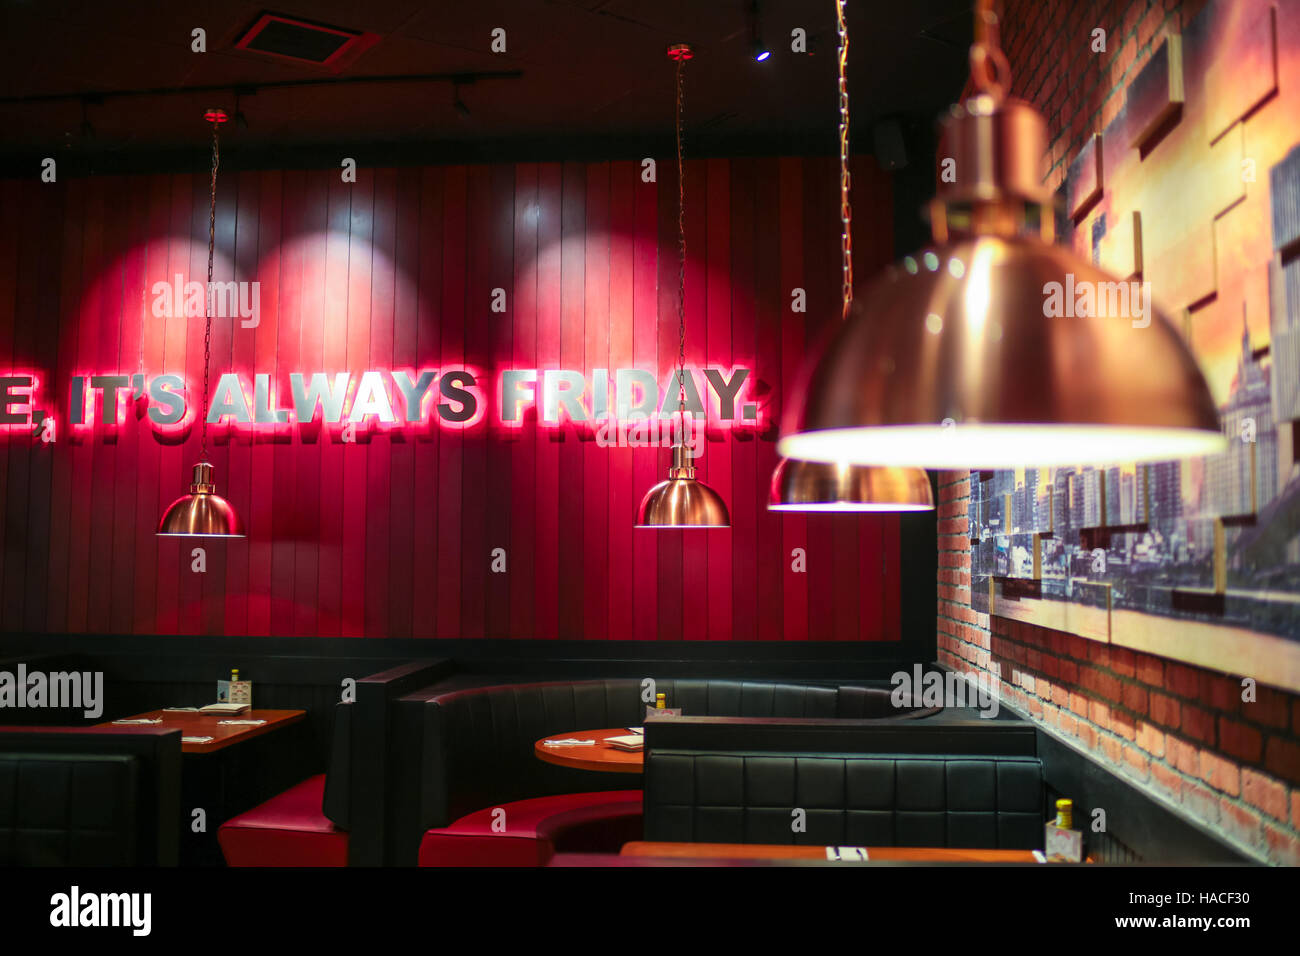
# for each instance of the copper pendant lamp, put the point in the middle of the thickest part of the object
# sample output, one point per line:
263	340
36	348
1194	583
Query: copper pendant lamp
683	501
202	512
839	486
960	358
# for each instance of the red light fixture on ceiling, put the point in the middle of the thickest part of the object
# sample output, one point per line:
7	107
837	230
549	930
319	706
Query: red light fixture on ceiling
202	512
682	501
840	486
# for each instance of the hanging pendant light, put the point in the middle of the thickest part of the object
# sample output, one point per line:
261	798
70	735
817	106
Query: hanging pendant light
203	512
841	486
682	501
961	359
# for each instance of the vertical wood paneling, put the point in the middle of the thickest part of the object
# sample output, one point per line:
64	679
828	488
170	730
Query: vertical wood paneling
428	349
572	488
10	227
130	441
623	493
452	354
401	479
378	447
478	319
83	445
148	487
306	552
745	500
236	478
696	545
392	535
260	543
284	476
15	336
822	272
523	452
39	512
595	459
718	344
500	479
331	572
668	592
546	582
768	296
213	584
356	454
794	526
648	465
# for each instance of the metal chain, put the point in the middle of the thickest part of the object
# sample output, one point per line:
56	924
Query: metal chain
846	213
207	331
990	71
681	234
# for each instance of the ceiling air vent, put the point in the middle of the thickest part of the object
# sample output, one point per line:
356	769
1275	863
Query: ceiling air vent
302	41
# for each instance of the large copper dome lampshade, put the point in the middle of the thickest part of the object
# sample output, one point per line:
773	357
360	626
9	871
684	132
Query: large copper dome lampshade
974	353
839	486
202	512
682	501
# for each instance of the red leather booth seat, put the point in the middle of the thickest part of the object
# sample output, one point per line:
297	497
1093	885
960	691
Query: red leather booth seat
288	830
575	822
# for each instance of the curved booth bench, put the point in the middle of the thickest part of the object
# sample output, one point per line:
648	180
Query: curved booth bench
476	755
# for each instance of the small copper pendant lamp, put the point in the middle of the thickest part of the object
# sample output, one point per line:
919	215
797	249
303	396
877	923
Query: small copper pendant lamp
202	512
683	501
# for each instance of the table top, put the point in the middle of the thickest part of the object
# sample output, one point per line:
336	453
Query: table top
599	757
762	851
194	724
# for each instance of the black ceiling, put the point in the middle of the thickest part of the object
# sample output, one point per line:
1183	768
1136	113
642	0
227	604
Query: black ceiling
593	76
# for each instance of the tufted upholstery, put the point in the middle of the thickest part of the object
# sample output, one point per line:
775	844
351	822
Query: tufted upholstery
68	809
478	746
993	802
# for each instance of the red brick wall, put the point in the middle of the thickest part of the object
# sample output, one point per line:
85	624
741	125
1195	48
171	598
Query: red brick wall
1049	46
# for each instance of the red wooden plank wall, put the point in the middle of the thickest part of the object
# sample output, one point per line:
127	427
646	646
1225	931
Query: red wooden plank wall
392	535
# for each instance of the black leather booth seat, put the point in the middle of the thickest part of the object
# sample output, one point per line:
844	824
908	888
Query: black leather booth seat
847	799
89	798
68	809
475	745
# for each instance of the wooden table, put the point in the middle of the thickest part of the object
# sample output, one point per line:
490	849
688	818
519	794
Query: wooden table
762	851
599	757
195	724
